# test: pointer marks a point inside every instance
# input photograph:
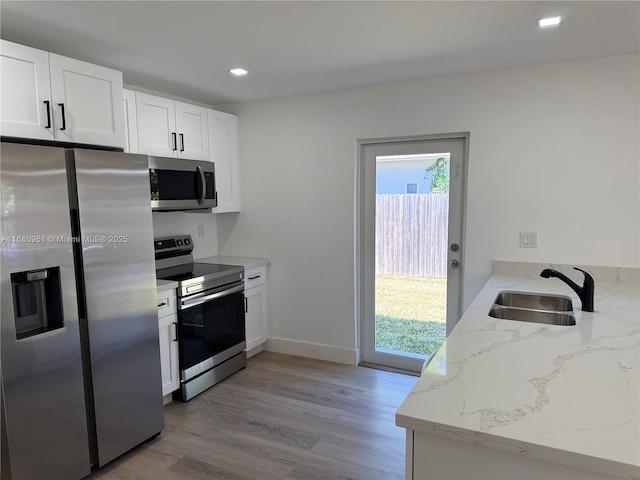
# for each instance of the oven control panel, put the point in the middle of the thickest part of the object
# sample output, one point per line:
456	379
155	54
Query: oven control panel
172	246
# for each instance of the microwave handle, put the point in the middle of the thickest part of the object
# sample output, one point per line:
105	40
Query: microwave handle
203	182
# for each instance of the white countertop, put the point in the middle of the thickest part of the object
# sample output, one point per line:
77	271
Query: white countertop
566	394
164	285
246	262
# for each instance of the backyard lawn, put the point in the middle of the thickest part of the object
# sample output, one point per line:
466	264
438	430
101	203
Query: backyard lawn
410	313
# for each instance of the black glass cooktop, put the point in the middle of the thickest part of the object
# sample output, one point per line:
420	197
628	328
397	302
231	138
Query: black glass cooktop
194	270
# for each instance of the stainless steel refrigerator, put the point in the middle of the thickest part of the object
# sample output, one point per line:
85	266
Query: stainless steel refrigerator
80	360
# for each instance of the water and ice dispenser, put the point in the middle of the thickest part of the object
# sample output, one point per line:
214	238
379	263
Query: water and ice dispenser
37	301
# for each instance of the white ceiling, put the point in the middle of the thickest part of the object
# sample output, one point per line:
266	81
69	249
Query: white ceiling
185	48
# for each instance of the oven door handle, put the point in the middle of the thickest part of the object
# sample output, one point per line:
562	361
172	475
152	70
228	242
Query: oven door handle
197	300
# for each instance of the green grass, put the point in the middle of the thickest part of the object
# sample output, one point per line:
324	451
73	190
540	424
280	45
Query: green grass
410	313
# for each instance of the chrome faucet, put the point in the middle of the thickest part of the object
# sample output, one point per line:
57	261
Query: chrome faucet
585	292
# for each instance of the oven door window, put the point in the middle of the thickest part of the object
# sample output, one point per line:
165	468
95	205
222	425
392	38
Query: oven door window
210	328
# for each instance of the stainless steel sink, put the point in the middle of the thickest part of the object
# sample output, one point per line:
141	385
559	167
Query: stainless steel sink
536	301
536	316
533	307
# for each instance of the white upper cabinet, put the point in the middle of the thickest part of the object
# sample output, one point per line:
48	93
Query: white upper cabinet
87	102
193	137
156	125
47	96
167	128
26	92
223	151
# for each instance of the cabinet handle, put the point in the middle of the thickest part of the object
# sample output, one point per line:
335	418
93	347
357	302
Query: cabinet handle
162	304
48	104
246	305
175	331
175	141
253	278
64	120
182	142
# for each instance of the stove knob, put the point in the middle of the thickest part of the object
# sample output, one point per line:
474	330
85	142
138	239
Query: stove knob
187	241
179	242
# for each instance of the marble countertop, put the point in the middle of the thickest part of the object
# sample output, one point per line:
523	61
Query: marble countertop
565	394
246	262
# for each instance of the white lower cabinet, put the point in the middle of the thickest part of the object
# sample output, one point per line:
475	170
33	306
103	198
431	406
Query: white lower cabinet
168	335
256	306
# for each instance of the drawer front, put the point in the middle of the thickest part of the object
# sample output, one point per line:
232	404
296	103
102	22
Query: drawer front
255	277
166	303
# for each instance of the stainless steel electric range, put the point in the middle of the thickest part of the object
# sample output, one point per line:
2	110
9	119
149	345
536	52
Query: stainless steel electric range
211	323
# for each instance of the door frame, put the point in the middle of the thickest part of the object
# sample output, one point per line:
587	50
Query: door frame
360	219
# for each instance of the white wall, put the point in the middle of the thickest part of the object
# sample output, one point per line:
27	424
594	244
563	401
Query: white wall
554	148
166	224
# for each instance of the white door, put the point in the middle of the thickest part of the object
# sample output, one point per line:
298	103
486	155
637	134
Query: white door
26	92
411	247
156	126
193	135
86	102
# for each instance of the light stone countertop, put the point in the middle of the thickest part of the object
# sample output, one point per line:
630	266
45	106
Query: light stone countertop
565	394
246	262
164	285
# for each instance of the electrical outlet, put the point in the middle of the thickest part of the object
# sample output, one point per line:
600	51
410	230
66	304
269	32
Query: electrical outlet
201	232
528	239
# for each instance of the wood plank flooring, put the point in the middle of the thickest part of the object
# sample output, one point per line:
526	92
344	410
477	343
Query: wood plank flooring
282	417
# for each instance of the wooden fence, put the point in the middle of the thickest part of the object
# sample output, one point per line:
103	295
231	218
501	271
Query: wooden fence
411	234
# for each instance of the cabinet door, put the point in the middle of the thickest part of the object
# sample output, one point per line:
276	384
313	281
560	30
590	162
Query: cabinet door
191	125
130	121
256	316
87	102
24	89
169	353
156	125
223	151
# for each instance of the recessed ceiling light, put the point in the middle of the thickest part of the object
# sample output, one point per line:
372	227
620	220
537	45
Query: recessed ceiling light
239	72
549	21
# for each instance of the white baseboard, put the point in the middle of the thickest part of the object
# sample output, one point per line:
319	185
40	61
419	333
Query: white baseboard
254	350
311	350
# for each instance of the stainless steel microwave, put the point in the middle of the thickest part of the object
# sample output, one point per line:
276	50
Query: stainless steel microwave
178	184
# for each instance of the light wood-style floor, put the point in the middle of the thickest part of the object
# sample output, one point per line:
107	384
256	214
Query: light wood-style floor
282	417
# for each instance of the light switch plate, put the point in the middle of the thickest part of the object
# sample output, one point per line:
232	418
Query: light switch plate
528	239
